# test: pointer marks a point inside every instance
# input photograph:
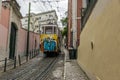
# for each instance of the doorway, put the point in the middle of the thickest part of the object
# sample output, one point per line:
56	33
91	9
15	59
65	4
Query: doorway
12	45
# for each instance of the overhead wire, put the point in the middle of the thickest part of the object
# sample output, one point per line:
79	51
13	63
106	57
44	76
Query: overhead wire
45	5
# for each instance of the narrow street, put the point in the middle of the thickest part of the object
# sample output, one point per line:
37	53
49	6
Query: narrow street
40	68
59	39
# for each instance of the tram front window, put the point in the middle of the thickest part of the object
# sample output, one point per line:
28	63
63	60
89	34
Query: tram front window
48	33
48	30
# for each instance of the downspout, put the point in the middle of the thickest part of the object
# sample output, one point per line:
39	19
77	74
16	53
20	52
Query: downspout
9	27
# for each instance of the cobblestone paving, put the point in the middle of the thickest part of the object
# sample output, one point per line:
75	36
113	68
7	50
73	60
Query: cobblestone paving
57	71
69	70
72	69
24	68
74	72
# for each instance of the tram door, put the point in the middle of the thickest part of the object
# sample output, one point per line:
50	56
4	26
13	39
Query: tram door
12	41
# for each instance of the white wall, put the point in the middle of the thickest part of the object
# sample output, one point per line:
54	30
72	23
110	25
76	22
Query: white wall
74	21
39	22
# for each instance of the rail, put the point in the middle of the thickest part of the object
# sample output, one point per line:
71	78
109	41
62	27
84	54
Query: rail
43	75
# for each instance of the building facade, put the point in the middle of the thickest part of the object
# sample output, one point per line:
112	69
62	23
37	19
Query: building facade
74	23
39	20
13	38
99	50
69	23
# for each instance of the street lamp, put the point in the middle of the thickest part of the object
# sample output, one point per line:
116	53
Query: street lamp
27	50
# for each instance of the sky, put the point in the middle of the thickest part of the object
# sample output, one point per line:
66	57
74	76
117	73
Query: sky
38	6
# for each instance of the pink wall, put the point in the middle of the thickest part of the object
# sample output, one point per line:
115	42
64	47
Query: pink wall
5	17
4	26
21	36
3	37
34	37
22	40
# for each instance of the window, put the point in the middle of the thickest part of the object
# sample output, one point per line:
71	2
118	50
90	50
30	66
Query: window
50	16
26	20
48	30
37	18
40	18
85	12
36	26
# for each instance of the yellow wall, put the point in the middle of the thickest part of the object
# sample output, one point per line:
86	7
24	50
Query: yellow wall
103	29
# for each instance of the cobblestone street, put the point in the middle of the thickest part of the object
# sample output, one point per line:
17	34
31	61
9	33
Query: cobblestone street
62	70
72	70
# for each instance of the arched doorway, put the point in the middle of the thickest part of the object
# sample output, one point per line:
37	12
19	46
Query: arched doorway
12	41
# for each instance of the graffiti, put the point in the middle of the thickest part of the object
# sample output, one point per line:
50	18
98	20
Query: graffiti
49	44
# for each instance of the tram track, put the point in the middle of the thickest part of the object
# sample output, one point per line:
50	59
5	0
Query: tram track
43	75
39	71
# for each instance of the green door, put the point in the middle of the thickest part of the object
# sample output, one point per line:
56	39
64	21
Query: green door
12	41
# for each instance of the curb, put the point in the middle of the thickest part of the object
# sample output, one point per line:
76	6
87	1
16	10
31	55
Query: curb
64	66
65	60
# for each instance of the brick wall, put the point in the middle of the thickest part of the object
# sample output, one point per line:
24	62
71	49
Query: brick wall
69	21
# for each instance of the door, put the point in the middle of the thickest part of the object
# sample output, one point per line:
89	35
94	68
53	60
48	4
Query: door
12	41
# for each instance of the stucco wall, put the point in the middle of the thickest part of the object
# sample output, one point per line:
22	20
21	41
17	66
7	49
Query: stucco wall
4	26
5	17
3	42
103	29
8	16
0	8
22	41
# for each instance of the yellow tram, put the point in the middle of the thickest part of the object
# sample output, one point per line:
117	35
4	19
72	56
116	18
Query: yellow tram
49	40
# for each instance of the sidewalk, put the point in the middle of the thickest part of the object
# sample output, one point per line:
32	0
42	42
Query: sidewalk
72	70
10	63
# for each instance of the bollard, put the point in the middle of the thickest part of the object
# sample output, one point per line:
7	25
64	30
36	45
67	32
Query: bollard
19	60
26	58
38	51
30	55
35	53
14	62
5	65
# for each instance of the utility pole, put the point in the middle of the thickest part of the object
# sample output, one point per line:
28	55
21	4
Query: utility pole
27	51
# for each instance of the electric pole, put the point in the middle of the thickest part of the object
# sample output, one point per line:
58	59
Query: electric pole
27	51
